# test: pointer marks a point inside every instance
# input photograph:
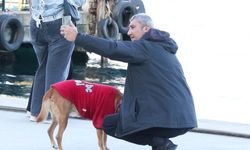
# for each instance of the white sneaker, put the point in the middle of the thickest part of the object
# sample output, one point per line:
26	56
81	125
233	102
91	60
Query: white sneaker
47	121
32	118
28	114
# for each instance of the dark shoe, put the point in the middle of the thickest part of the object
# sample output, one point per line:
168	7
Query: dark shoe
169	145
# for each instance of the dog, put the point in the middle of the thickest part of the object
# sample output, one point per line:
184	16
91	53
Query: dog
92	101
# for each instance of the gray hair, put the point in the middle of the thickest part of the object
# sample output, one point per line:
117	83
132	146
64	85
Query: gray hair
143	19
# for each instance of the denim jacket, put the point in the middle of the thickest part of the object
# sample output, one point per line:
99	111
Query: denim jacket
50	10
46	8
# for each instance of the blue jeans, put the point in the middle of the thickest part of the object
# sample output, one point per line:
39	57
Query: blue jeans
53	53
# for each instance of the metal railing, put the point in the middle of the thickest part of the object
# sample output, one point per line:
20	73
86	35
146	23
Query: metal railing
3	5
21	4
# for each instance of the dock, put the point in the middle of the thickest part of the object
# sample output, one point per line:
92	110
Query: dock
17	132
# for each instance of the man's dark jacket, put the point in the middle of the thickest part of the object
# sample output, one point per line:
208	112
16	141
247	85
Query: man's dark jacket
156	93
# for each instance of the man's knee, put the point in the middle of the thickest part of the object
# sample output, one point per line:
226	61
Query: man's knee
110	124
105	124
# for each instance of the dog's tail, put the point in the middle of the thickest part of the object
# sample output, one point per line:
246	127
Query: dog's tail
45	106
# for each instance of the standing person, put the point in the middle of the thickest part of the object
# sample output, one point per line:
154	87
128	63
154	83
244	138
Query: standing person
53	52
157	103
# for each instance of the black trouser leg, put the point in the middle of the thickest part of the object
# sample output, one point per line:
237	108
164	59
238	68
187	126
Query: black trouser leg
152	136
110	124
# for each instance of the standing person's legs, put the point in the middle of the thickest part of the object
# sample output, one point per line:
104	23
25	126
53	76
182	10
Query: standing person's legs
29	101
70	76
54	54
59	54
58	64
38	88
40	48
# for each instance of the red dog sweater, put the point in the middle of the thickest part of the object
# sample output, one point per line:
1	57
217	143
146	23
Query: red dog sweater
92	101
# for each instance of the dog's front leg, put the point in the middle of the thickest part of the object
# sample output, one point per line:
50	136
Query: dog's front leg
102	139
105	140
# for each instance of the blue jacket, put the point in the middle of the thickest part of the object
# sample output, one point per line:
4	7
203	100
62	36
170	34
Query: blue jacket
156	93
47	8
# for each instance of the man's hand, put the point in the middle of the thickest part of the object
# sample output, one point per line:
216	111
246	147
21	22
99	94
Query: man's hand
69	32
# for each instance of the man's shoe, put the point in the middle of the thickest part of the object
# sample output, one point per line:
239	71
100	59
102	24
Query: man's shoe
169	145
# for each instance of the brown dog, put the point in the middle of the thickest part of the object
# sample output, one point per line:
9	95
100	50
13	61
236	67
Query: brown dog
95	102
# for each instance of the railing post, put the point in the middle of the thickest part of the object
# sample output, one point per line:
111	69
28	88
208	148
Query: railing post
3	5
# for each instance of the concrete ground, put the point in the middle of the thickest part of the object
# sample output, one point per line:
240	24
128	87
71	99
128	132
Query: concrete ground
17	132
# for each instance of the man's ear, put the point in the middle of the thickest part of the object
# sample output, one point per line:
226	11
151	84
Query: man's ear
146	28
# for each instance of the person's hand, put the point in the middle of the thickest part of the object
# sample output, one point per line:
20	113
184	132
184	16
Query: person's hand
69	32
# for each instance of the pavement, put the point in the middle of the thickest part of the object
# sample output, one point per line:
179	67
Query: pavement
17	132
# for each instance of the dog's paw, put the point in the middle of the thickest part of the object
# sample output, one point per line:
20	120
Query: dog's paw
54	146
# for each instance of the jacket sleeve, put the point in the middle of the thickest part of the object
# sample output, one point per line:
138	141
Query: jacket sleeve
126	51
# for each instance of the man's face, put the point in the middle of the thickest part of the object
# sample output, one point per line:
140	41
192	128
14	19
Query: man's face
136	30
